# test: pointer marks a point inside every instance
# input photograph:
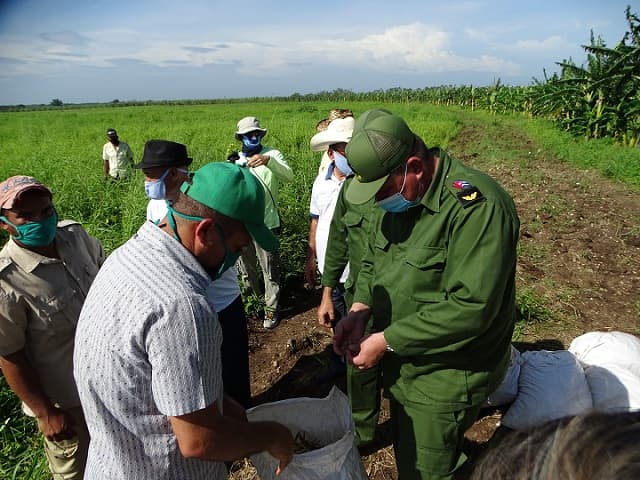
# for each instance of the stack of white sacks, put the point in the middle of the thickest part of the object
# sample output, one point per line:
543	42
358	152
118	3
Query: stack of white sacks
600	371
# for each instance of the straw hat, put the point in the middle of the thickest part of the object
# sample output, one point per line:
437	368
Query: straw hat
334	114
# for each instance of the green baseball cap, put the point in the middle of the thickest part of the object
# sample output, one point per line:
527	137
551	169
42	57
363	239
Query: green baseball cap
233	191
381	141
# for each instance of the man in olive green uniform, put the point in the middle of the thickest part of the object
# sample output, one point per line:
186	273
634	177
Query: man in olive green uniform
348	236
46	269
439	280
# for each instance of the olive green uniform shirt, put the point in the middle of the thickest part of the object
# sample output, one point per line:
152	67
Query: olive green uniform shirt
348	235
440	281
40	303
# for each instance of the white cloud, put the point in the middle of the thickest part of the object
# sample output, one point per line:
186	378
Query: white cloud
549	44
415	48
66	37
412	48
478	35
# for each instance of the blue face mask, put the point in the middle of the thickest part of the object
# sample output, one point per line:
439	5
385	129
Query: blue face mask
397	203
229	259
35	234
342	163
156	189
251	142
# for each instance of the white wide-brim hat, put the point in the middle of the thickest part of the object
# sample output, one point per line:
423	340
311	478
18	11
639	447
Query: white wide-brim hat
338	131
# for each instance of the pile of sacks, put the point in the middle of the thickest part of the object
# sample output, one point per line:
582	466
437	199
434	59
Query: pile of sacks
600	371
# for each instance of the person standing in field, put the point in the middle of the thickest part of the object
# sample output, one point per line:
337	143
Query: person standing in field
46	269
438	277
117	157
322	125
269	166
165	166
347	237
324	195
147	358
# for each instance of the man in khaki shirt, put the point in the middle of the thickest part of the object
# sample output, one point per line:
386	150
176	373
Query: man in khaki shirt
117	156
46	269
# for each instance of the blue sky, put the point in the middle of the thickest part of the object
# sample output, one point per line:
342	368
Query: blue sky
90	50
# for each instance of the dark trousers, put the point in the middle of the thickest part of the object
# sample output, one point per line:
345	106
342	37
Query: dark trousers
339	303
235	353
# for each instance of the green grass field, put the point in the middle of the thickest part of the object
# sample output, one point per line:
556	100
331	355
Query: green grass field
63	150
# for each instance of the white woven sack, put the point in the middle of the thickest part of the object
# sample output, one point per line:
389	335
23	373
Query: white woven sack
325	421
551	385
607	348
613	388
508	388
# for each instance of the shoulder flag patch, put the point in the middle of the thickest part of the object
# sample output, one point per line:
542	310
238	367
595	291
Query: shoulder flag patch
461	184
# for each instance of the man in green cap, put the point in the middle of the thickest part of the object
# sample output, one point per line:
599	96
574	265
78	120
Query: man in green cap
147	352
438	279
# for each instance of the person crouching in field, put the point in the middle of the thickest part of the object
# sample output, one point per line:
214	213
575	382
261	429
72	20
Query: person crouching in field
46	269
147	358
166	166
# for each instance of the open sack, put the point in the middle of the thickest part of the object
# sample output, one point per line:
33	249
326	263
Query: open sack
325	423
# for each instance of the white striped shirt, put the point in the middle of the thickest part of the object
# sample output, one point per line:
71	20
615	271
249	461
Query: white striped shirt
147	347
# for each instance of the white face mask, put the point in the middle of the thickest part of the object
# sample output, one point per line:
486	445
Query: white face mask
342	163
156	189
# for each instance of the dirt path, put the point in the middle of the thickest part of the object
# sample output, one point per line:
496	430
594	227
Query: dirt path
579	270
580	235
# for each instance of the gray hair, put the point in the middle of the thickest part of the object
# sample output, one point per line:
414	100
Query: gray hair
585	447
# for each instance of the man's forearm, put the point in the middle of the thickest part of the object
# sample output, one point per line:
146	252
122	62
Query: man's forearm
311	245
210	436
23	380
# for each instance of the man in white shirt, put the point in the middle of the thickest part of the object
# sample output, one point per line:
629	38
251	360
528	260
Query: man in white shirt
117	157
147	350
166	166
324	195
